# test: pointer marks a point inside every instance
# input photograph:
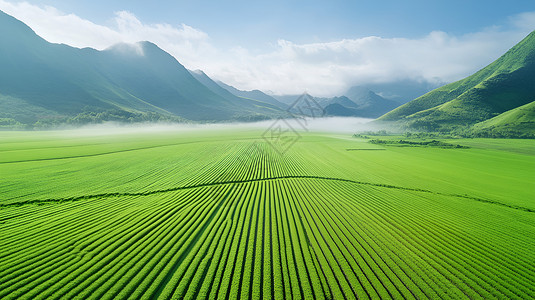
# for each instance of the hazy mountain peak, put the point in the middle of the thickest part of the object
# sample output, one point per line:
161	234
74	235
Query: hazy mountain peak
127	49
358	89
198	72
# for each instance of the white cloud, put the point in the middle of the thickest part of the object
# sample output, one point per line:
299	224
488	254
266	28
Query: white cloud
330	68
186	43
287	67
524	21
58	27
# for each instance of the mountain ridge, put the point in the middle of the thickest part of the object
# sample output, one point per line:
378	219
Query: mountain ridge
253	94
58	83
505	84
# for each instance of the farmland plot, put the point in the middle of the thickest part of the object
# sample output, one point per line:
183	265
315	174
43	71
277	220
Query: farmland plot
231	218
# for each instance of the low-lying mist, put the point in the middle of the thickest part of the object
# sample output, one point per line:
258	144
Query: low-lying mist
339	125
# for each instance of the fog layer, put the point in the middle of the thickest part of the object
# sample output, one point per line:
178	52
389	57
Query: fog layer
339	125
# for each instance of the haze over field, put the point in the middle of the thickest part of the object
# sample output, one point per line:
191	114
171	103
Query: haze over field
335	125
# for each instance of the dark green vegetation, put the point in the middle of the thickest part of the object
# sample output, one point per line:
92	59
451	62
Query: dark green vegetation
504	91
407	143
53	83
220	214
94	116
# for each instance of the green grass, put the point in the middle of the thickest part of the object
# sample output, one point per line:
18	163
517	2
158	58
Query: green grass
517	121
220	214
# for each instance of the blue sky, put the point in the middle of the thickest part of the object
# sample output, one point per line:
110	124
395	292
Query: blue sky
288	46
262	22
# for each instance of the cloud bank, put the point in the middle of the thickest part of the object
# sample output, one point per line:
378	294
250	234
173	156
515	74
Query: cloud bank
322	69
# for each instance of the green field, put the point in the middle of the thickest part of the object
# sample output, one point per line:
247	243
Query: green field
221	214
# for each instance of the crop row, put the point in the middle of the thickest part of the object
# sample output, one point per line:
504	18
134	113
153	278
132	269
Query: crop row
286	238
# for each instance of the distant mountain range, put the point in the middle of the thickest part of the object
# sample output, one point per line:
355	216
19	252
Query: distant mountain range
41	81
404	90
43	84
254	94
358	101
496	100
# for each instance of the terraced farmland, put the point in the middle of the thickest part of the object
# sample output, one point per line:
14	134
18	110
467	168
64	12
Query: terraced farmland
223	215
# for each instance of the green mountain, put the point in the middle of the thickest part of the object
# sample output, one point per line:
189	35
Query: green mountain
369	104
342	100
402	90
338	106
517	122
255	107
357	102
42	81
339	110
254	94
505	84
